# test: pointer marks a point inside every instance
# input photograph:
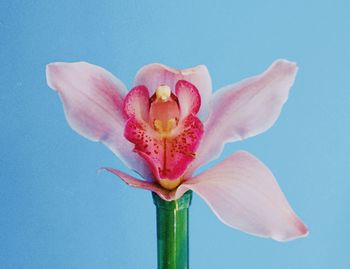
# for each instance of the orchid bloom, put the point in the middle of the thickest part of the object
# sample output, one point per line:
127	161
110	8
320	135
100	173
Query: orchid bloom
171	123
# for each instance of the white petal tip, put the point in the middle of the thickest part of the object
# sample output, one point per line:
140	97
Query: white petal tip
285	65
300	232
52	72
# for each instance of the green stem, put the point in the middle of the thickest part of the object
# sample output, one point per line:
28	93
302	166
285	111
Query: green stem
172	231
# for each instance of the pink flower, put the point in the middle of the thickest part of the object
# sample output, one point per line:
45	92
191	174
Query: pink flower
171	123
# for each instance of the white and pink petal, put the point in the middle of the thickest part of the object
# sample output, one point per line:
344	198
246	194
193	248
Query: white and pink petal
136	103
154	75
93	103
188	97
245	109
141	184
244	194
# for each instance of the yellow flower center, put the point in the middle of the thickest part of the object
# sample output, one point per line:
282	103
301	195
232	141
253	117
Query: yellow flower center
170	184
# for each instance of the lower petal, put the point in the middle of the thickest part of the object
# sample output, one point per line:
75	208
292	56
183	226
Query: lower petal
140	184
168	157
244	194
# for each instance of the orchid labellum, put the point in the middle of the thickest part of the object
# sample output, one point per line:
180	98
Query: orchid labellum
170	123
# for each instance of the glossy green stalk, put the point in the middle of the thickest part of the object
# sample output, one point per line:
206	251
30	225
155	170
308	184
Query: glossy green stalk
172	231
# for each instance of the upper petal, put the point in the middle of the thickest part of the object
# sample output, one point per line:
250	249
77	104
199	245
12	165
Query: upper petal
245	109
188	97
93	105
153	75
244	194
136	103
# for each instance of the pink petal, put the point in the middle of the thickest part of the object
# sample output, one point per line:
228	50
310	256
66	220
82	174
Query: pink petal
136	183
244	194
188	97
93	103
136	103
168	157
153	75
245	109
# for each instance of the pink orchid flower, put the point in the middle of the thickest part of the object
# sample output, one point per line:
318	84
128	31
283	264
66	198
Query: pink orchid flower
171	123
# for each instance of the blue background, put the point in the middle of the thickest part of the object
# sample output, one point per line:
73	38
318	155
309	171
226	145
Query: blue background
57	212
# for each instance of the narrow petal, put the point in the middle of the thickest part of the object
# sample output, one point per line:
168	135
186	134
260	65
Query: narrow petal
136	183
154	75
168	157
136	103
244	194
93	104
189	98
245	109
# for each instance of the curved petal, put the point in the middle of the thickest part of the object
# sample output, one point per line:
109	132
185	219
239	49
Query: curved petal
188	97
140	184
245	109
93	104
136	103
153	75
244	194
168	157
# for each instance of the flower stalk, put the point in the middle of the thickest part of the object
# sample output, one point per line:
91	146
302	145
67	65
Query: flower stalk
172	231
